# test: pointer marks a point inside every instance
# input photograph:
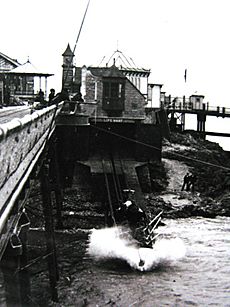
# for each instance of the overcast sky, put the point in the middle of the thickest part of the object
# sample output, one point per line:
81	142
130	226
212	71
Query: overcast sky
166	36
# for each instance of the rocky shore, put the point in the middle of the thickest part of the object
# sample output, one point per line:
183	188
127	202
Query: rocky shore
211	166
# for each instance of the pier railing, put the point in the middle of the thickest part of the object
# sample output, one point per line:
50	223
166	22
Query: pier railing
181	104
21	144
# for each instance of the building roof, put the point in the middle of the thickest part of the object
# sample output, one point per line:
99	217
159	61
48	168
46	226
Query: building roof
124	63
68	51
111	72
8	59
28	69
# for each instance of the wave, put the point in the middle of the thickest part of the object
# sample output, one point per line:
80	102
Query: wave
117	243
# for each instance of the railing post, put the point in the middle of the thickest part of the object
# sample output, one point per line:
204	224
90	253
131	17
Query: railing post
184	104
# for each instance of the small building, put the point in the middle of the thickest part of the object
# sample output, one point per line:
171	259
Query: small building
18	82
6	64
197	101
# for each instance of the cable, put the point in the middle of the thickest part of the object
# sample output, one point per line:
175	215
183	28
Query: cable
72	55
111	56
34	261
154	147
126	59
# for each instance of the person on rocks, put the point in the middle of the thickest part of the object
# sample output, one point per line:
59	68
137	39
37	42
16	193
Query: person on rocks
192	181
186	182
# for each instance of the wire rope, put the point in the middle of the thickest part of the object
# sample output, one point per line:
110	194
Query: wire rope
157	148
72	55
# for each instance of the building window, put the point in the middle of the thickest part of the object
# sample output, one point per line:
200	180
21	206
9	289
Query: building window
113	95
112	90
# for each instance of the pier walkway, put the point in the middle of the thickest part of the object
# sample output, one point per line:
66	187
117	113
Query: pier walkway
190	108
178	107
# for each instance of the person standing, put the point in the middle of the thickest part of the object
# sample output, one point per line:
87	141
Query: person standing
51	95
192	181
186	182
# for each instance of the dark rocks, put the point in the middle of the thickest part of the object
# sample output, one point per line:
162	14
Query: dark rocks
203	207
211	164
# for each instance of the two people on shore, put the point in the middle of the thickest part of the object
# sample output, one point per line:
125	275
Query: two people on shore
189	182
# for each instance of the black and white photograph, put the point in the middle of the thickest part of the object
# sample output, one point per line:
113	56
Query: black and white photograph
114	153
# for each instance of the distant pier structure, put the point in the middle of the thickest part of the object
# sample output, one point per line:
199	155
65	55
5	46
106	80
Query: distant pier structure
177	107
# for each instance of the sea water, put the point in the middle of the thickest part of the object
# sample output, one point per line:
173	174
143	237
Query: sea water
189	266
212	124
117	243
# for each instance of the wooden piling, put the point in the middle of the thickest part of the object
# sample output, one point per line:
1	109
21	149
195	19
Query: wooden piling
49	231
58	189
10	267
24	275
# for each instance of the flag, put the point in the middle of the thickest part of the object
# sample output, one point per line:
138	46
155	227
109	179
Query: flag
185	75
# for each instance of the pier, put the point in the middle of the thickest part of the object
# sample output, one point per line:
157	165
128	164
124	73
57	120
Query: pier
23	142
177	107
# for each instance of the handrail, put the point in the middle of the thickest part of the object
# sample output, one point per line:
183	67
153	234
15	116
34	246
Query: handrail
181	105
17	124
22	141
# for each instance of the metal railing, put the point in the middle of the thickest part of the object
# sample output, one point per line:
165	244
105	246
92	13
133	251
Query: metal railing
185	104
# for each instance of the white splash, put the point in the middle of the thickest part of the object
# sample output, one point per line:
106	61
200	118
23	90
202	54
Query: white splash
116	243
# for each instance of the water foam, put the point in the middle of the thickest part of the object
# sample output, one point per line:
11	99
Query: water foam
117	243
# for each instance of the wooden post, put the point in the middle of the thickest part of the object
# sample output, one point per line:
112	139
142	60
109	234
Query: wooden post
2	290
198	125
10	266
58	190
183	121
24	276
49	231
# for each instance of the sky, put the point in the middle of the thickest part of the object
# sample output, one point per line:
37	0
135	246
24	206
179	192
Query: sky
166	36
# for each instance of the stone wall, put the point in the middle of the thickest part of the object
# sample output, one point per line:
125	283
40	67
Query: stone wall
22	141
